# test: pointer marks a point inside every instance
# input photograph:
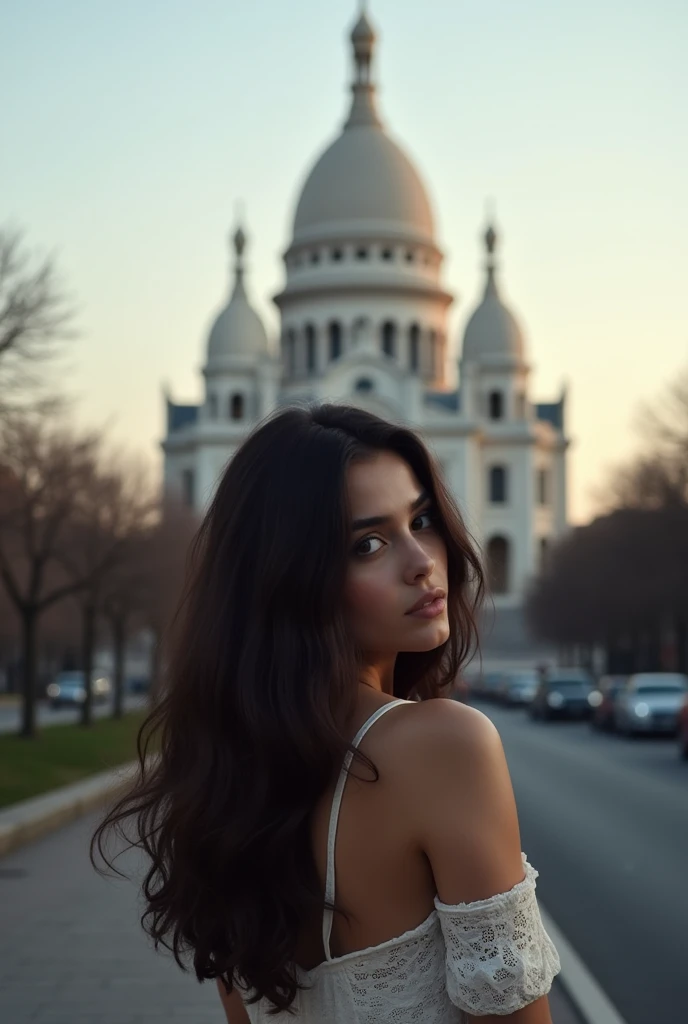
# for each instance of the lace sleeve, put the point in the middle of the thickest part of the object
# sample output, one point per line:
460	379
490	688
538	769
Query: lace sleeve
499	958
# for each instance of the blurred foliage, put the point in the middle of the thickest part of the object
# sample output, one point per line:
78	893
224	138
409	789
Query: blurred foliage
622	580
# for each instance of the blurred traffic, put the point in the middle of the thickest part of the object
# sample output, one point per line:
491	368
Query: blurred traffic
641	704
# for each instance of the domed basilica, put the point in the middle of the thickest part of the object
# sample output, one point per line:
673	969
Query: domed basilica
364	321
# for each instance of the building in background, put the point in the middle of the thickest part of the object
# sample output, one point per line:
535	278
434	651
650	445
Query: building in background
364	321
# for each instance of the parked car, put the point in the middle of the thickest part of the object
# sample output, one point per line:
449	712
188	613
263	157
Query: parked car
519	688
602	700
683	729
562	693
650	703
69	688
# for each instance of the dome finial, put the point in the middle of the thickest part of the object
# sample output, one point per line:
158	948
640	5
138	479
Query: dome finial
239	242
363	39
491	238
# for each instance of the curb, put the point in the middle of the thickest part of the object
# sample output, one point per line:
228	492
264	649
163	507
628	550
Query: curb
23	822
584	992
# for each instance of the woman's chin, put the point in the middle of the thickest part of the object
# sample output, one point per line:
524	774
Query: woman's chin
434	635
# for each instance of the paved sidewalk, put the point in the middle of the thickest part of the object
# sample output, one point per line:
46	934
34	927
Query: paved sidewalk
72	951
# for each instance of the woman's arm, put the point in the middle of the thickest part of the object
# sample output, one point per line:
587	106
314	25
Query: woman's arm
464	809
536	1013
235	1010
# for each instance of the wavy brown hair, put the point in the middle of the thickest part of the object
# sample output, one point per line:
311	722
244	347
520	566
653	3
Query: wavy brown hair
262	678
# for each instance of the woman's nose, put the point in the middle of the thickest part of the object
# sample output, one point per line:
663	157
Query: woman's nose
420	564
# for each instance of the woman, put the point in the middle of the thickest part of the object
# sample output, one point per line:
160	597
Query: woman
333	584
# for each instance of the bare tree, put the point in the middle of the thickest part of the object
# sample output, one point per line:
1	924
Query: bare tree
124	597
35	320
166	564
665	422
657	476
619	582
44	470
102	544
649	481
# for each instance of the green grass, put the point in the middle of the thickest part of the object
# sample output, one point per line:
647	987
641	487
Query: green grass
61	754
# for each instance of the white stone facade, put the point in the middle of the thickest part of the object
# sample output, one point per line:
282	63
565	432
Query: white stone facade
364	321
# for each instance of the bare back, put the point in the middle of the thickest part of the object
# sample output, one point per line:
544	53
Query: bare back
383	879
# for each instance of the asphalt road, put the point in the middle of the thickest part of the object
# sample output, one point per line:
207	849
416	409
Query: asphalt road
605	821
10	716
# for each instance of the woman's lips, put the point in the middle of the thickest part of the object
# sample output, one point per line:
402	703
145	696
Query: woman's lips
430	611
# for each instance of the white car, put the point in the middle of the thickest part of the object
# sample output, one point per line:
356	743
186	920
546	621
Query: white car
650	703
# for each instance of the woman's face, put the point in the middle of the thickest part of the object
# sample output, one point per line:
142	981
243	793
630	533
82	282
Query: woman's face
394	562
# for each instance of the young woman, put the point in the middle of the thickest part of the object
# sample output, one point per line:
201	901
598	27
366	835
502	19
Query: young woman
331	602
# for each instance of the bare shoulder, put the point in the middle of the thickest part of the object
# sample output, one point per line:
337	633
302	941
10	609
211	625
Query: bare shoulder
461	805
447	729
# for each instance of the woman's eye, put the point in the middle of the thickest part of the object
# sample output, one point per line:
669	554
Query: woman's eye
425	519
363	548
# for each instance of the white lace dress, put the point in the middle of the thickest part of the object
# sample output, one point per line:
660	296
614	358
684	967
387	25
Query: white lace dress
488	957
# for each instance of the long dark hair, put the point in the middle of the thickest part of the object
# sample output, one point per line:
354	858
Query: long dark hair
262	676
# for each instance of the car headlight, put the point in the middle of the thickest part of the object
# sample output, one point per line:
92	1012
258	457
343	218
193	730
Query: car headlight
555	700
595	699
53	690
642	710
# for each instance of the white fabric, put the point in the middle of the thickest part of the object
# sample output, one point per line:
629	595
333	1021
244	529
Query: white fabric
489	957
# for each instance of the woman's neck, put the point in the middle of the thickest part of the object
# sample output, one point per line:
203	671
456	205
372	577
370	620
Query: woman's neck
379	675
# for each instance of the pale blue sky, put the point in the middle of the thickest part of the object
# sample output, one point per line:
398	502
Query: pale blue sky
129	131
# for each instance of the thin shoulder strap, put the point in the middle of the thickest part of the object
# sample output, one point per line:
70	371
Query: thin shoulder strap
334	818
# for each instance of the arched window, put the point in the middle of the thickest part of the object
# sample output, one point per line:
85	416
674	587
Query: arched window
364	384
389	338
362	253
236	407
335	339
414	347
310	348
387	254
315	256
498	484
337	255
290	353
495	405
498	565
212	406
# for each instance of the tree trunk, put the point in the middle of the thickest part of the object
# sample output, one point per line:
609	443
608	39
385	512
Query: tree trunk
29	621
155	668
89	634
119	645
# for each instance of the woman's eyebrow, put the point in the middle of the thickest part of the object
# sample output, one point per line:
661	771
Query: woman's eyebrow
364	524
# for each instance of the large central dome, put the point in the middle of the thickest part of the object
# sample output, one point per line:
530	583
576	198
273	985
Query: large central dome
363	184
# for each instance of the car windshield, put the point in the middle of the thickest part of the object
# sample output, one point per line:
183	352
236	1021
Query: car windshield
665	689
568	684
70	680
